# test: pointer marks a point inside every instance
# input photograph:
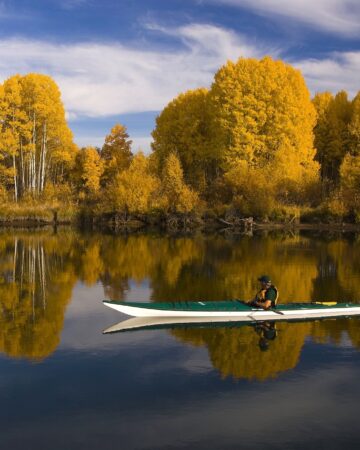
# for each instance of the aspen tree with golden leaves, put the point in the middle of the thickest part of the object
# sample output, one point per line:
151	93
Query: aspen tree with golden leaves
133	190
184	128
179	197
89	168
261	107
35	139
116	153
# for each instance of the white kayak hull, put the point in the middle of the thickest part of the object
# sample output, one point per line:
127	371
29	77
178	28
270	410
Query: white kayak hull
251	315
149	322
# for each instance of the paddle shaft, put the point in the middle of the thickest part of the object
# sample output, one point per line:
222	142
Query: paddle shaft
270	309
277	312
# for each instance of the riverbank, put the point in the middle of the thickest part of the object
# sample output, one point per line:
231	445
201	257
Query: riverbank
37	214
43	215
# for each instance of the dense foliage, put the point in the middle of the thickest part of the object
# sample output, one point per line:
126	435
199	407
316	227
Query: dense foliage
253	144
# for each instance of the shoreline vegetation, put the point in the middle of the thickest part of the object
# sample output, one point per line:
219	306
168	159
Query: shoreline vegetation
41	217
254	151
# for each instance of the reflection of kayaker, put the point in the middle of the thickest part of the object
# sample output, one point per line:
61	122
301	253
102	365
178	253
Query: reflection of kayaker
267	296
267	332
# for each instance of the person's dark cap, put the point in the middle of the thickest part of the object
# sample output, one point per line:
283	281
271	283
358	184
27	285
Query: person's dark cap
264	279
263	344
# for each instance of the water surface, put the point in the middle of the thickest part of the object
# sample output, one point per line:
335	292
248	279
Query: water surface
65	385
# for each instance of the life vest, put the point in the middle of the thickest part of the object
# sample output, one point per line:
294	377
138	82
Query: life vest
260	296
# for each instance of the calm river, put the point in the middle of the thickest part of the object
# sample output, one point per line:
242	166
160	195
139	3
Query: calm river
66	385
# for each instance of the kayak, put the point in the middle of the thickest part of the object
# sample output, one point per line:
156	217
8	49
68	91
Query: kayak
235	310
165	323
160	323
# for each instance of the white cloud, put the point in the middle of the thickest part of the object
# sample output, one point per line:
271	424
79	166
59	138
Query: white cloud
109	79
337	72
112	79
340	16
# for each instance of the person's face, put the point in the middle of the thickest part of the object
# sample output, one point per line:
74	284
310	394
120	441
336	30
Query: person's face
264	285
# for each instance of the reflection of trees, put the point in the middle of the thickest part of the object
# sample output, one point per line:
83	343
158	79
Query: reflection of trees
299	265
213	268
229	269
338	279
142	257
38	272
36	280
235	351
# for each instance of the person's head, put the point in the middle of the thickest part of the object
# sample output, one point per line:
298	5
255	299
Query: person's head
263	344
265	281
270	333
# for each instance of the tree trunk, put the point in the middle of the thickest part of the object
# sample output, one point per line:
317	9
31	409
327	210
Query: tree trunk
32	160
15	180
43	159
22	169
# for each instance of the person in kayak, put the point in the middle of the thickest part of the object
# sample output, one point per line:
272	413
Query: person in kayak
267	332
267	296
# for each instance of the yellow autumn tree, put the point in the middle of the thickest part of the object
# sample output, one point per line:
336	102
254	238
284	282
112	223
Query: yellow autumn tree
322	102
253	194
134	189
354	126
350	184
11	119
116	153
263	123
261	107
88	170
177	196
332	133
184	128
35	140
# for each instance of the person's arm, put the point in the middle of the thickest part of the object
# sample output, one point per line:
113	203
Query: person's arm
264	305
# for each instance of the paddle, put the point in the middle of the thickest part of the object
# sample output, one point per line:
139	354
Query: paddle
277	312
270	309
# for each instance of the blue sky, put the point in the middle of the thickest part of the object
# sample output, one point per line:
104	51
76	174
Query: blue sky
123	61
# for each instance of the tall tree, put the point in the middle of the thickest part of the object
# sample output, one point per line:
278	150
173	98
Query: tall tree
183	128
35	139
116	153
354	127
88	171
261	107
322	103
350	184
179	197
332	137
11	119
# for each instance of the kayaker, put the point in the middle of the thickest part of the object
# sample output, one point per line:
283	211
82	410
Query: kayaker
267	296
267	332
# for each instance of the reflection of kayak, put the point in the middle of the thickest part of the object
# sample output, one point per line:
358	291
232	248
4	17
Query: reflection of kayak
158	323
236	310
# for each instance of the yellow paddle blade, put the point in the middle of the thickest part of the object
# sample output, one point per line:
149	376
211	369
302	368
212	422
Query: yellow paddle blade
326	303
